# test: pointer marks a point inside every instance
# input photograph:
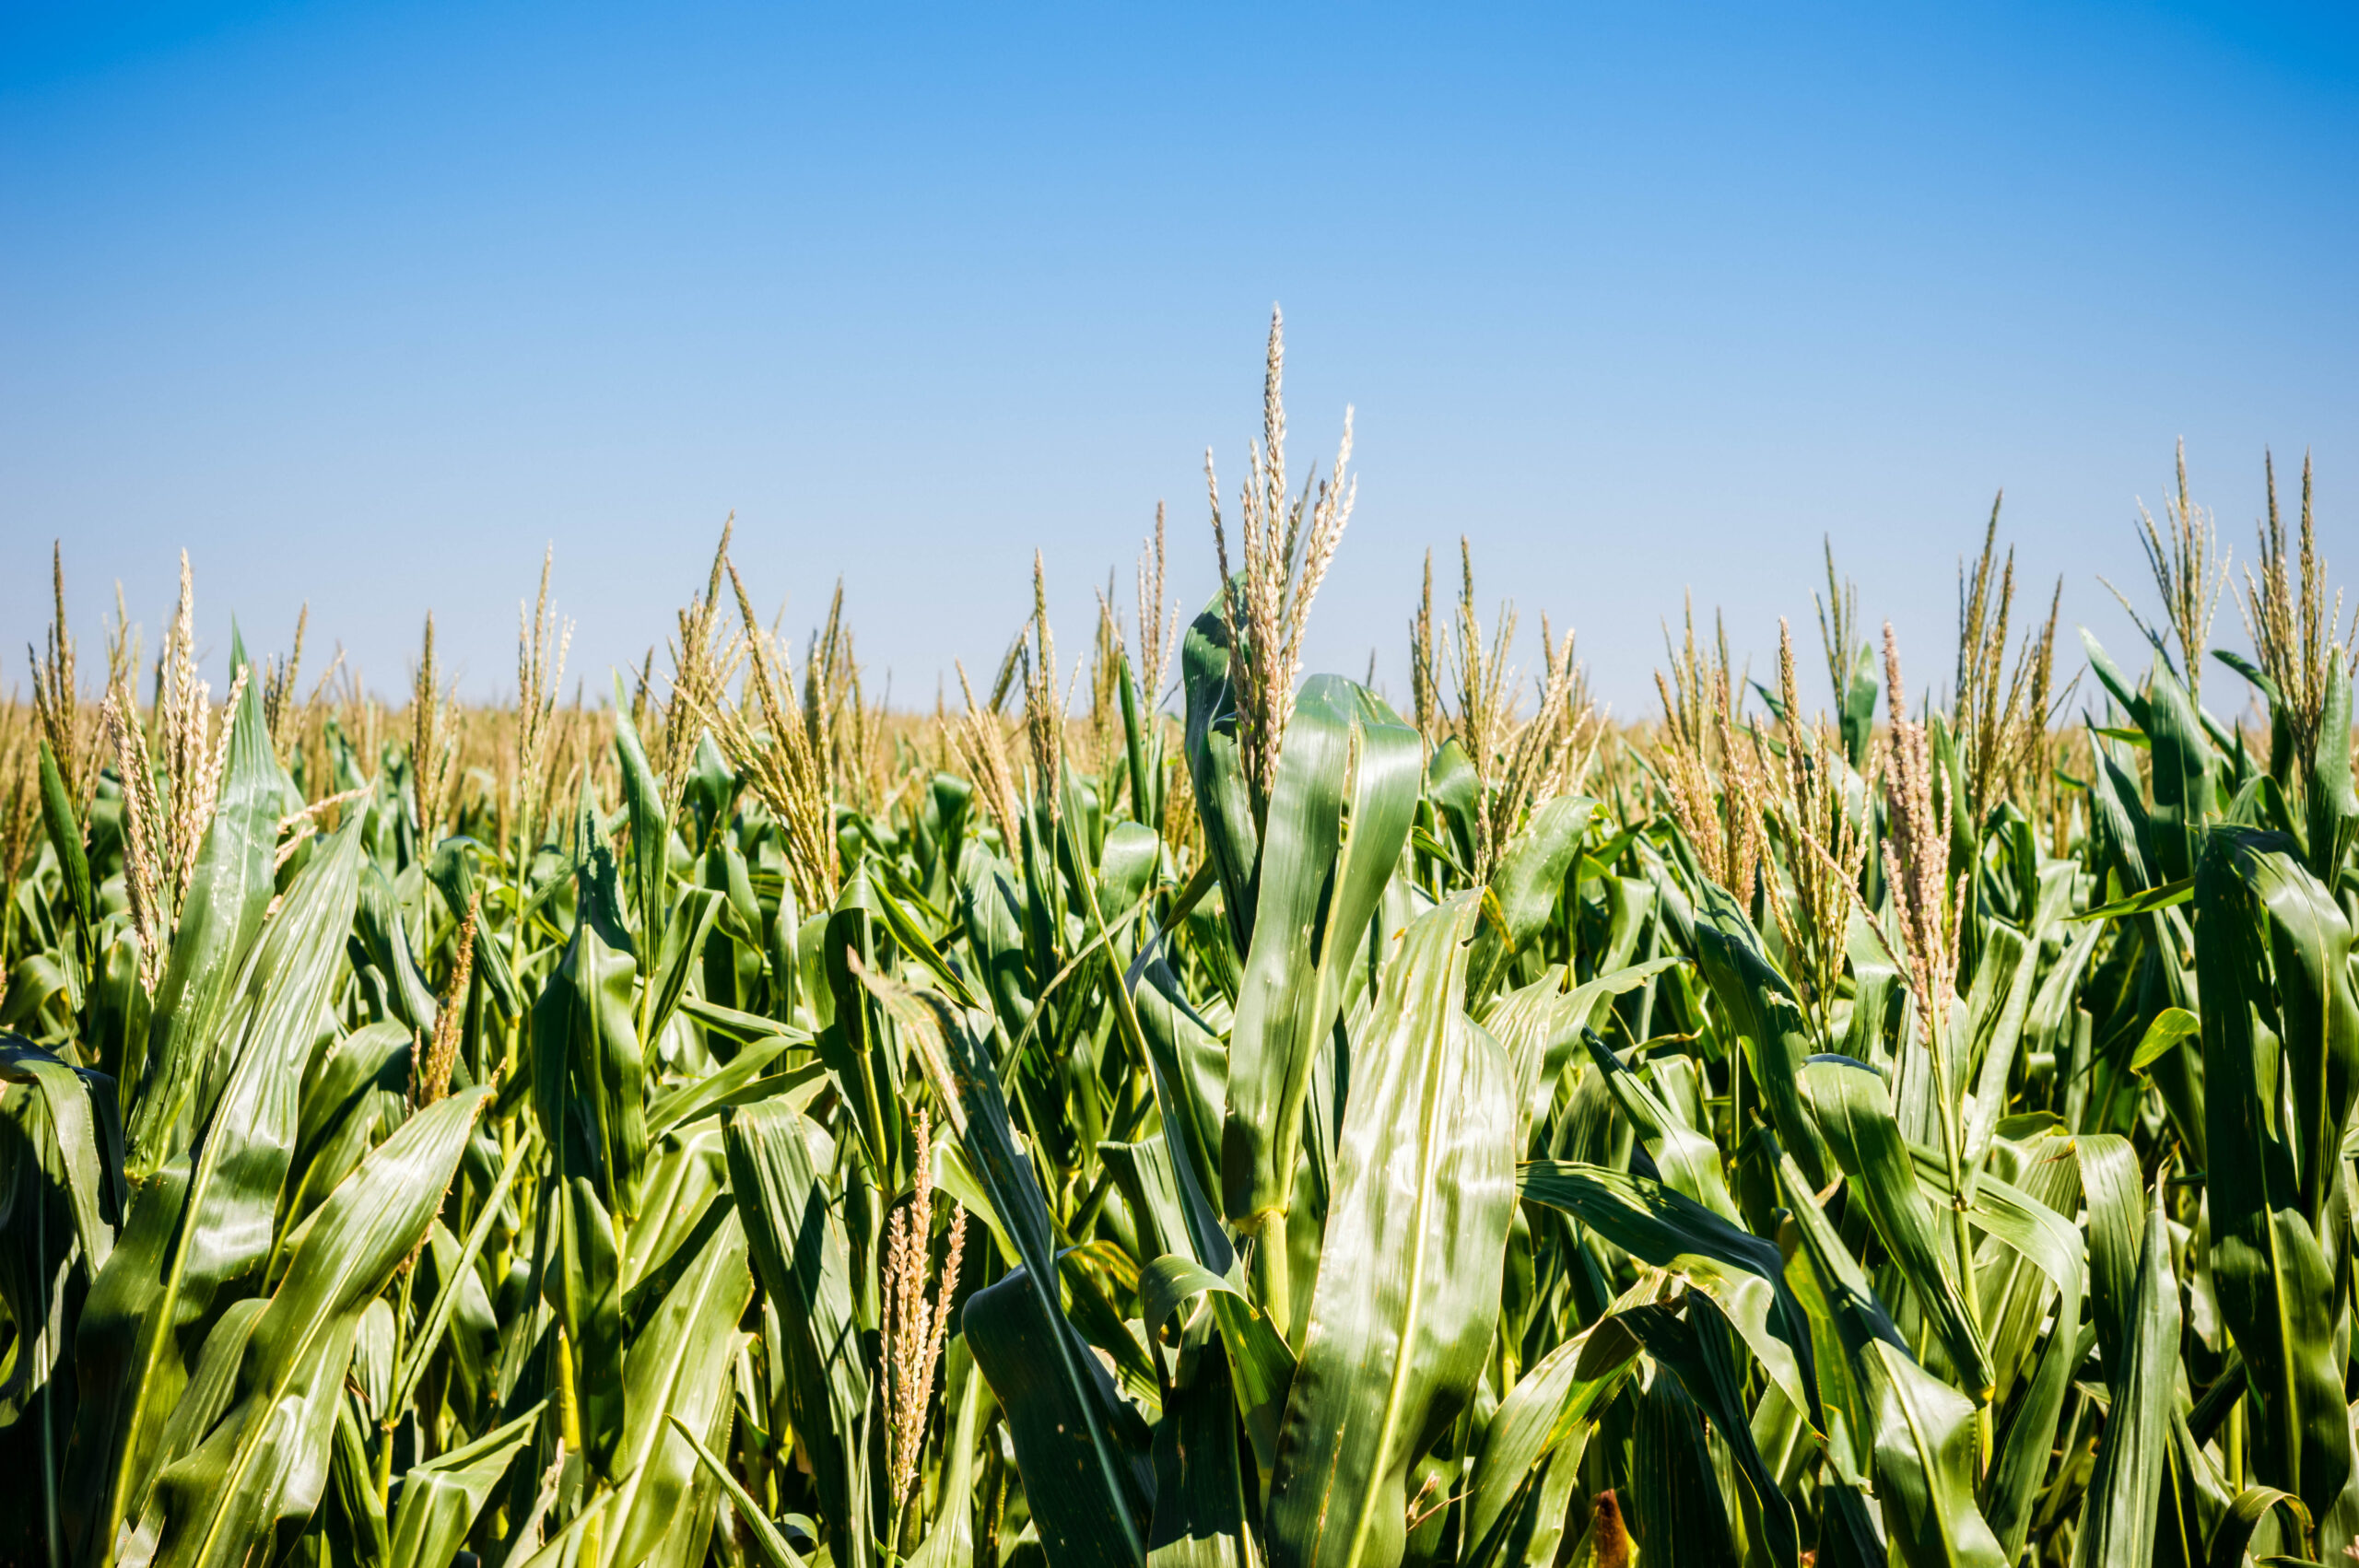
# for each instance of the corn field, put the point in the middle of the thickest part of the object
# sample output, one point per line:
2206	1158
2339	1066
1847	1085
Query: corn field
1174	1110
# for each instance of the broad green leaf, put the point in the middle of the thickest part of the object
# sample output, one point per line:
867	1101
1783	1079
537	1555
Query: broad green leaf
353	1093
266	1461
1679	1515
203	1223
1202	1485
1665	1229
88	1139
1848	1102
2235	1528
589	1079
219	919
440	1499
66	840
446	1297
1082	1451
2184	764
1409	1274
740	1082
2169	896
1540	1024
1528	881
2272	951
796	1241
1686	1160
650	827
1760	1009
2171	1026
1924	1463
1316	891
2127	1486
1172	1281
1696	1349
678	1366
1216	764
2333	807
2025	1446
1543	1423
768	1544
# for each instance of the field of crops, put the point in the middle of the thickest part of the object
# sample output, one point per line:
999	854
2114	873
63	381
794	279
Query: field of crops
1171	1108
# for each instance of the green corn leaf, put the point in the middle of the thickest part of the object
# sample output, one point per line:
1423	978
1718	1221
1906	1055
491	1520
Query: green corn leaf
2167	896
1924	1464
584	1289
768	1544
1172	1281
1315	895
650	827
796	1241
1216	765
738	1082
2184	766
2171	1026
440	1499
1083	1453
203	1221
1191	1084
2127	1486
267	1460
679	948
2272	945
676	1368
1761	1008
66	838
589	1079
1679	1515
380	933
1540	1024
2025	1446
2333	807
446	1297
1202	1486
1410	1267
1665	1229
218	922
1541	1426
1082	1450
1696	1349
1686	1159
88	1139
1528	881
2234	1533
1833	1298
353	1093
1848	1102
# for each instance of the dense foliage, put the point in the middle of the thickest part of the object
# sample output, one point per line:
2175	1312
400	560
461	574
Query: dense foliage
735	1124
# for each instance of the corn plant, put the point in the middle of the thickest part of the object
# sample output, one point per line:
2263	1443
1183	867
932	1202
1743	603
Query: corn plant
727	1122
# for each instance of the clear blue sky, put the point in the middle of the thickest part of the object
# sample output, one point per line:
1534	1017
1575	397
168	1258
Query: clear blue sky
365	304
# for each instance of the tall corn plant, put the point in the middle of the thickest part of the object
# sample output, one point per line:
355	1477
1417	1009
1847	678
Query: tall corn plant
736	1125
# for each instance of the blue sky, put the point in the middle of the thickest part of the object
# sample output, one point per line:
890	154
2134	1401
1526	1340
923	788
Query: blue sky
365	305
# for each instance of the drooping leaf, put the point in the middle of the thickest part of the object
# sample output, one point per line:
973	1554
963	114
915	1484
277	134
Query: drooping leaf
441	1498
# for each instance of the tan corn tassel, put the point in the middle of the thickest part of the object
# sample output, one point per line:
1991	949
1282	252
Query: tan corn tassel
915	1327
1918	855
